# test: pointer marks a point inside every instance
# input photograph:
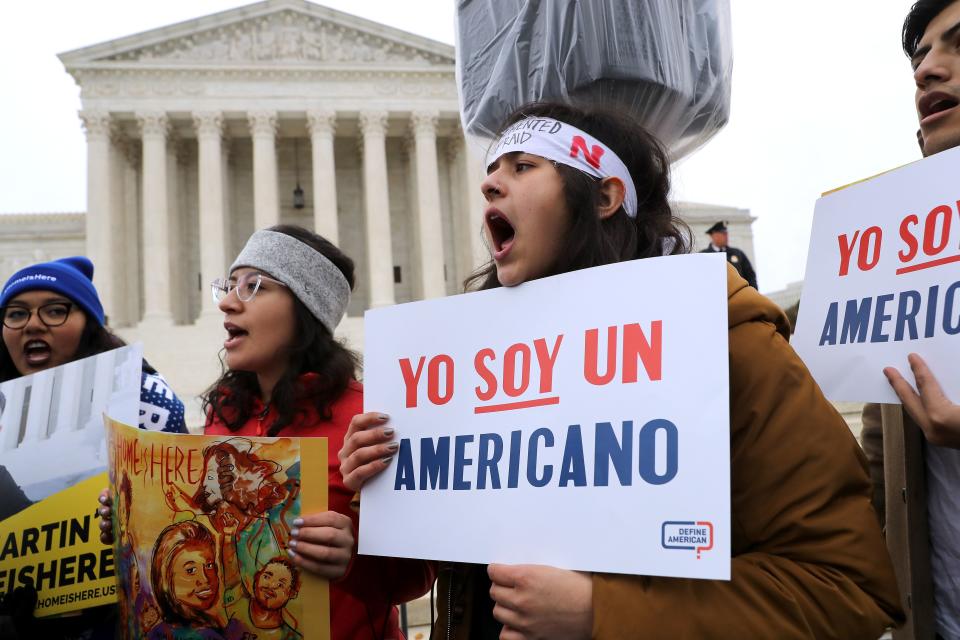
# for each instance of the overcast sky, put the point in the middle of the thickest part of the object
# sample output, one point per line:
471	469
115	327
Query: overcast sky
822	96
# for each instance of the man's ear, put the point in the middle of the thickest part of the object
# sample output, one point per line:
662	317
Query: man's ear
612	194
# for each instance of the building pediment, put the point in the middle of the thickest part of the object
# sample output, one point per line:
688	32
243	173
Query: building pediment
275	32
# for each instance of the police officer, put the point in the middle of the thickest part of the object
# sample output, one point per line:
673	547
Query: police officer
739	260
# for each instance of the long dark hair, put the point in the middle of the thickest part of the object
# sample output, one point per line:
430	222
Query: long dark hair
94	339
314	350
591	241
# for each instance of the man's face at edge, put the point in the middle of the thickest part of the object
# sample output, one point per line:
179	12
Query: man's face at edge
936	66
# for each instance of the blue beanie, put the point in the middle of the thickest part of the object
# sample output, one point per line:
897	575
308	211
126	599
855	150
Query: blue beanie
73	277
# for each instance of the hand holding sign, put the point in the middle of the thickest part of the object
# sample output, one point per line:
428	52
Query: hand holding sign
322	543
366	450
931	410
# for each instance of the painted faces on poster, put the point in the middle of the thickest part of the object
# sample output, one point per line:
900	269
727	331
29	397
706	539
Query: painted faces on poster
194	577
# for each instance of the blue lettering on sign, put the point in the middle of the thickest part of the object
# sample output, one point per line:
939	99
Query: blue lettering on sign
514	470
572	468
479	462
609	449
870	320
461	462
532	477
907	317
488	460
434	462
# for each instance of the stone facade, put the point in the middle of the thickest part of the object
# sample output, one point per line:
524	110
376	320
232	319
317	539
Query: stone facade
27	238
199	132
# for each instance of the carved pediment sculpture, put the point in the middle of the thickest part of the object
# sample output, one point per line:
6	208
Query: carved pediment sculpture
286	36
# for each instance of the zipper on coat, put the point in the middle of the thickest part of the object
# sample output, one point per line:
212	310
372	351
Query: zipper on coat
450	606
261	417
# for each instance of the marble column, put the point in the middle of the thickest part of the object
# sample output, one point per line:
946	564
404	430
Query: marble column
154	128
132	241
230	251
373	126
475	171
123	221
101	216
266	202
428	217
322	124
213	239
462	258
180	287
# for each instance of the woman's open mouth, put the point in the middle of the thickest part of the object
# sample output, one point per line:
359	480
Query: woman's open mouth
234	335
37	353
501	232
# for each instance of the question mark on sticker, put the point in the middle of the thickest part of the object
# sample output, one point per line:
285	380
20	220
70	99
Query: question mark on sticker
708	525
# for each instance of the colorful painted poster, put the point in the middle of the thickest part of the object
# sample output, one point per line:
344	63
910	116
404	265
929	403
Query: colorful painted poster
53	458
202	525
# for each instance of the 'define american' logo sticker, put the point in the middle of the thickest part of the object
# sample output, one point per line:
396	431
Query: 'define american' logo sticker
687	535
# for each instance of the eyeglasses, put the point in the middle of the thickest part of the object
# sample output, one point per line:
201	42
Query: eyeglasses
52	314
246	286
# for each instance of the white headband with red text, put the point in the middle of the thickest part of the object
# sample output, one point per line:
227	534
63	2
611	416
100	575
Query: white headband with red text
564	143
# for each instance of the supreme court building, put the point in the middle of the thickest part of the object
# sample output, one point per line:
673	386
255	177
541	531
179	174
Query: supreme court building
282	111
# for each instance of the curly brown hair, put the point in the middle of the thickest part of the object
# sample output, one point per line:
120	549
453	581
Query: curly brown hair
231	397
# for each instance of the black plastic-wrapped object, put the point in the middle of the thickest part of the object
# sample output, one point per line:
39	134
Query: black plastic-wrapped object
668	62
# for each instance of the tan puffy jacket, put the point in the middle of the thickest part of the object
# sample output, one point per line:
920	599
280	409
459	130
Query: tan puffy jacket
809	560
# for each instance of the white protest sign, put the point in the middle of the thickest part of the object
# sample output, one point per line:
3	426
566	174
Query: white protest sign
51	422
883	281
579	421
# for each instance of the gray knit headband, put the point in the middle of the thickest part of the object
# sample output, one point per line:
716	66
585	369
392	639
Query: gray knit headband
316	281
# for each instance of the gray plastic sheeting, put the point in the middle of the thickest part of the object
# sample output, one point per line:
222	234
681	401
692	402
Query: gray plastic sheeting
668	62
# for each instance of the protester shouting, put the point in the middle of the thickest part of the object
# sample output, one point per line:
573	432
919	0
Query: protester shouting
808	557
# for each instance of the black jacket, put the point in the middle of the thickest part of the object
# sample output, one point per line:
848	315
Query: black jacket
740	262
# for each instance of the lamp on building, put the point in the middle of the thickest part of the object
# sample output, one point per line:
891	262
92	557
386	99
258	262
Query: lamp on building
298	201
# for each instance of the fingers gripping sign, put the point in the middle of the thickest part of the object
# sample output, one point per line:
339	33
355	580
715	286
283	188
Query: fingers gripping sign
106	517
535	602
930	408
323	543
368	449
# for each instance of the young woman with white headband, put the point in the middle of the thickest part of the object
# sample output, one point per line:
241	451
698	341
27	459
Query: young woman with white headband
570	188
286	375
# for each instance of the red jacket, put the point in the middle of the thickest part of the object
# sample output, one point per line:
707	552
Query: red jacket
362	602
